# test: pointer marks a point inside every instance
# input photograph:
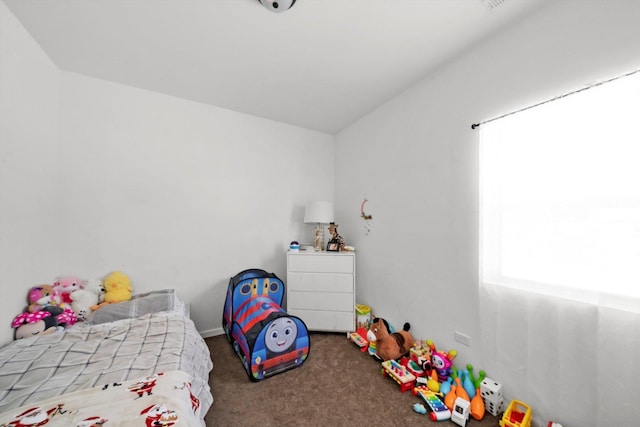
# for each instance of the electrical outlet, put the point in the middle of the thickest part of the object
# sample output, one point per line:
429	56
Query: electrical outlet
462	338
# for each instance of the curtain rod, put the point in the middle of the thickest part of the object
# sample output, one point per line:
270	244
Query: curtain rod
477	125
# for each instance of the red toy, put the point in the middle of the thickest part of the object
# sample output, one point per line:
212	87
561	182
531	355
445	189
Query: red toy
413	367
518	414
399	374
359	338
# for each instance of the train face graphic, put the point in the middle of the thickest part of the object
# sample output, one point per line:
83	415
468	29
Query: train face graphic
267	340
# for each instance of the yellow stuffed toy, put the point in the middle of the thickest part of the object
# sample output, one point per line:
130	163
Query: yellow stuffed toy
117	288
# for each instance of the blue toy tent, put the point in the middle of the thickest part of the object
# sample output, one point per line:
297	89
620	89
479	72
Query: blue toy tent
267	340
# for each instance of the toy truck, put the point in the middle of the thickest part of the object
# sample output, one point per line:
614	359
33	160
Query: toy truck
461	411
518	414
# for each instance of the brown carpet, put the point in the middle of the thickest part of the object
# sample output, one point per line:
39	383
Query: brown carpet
337	385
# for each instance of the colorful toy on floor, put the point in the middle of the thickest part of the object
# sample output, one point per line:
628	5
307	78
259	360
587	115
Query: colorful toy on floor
476	381
477	404
442	362
467	383
359	338
460	412
460	391
518	414
450	398
445	387
399	374
372	350
389	346
421	353
438	410
419	408
491	392
412	367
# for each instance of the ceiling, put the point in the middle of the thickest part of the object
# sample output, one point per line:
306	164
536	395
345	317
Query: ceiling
321	65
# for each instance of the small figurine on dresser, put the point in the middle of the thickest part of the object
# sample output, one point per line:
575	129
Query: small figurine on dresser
337	242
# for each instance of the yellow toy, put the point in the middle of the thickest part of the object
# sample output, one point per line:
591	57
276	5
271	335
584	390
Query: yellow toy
117	287
518	414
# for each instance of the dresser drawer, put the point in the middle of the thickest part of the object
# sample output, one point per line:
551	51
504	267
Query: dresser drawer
321	263
320	282
328	301
326	321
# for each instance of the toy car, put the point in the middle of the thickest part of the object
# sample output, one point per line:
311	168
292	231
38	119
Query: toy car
461	411
518	414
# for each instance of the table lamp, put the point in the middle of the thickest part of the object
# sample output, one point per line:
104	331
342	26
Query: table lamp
318	213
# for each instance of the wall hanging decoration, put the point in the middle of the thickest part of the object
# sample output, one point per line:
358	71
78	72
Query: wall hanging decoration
366	217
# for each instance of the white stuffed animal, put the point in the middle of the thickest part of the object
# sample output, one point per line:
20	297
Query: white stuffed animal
81	302
95	286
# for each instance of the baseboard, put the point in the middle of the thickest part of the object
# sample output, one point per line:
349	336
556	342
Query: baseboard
212	332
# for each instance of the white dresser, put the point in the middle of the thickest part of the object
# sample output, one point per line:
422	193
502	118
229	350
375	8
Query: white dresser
321	289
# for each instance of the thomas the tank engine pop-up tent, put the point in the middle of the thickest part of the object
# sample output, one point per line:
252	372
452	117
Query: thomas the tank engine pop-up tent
267	339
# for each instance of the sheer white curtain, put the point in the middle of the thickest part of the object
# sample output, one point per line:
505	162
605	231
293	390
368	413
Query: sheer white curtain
560	256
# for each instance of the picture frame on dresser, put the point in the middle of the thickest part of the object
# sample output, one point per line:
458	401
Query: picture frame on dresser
333	247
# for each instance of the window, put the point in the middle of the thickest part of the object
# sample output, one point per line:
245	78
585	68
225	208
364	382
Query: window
560	195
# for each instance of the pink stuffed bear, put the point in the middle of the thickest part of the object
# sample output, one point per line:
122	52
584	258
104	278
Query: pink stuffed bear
65	285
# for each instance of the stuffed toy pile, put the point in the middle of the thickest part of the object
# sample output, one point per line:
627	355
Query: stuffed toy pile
45	313
53	307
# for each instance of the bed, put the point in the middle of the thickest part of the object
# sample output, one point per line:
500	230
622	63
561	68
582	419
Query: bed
141	362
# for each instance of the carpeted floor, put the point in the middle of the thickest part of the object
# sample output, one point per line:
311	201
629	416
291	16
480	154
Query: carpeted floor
336	386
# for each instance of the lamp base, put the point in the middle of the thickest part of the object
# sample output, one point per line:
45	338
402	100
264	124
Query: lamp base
318	236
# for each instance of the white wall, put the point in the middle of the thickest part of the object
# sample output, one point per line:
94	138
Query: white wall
29	238
180	194
416	160
97	176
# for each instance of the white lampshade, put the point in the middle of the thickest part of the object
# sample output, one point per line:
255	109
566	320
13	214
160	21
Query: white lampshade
318	213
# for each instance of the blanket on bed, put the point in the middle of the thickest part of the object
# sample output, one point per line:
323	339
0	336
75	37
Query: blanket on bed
83	357
161	399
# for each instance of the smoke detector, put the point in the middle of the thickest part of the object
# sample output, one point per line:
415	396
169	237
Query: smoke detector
278	6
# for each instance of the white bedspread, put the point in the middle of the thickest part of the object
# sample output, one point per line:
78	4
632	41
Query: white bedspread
162	399
85	356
